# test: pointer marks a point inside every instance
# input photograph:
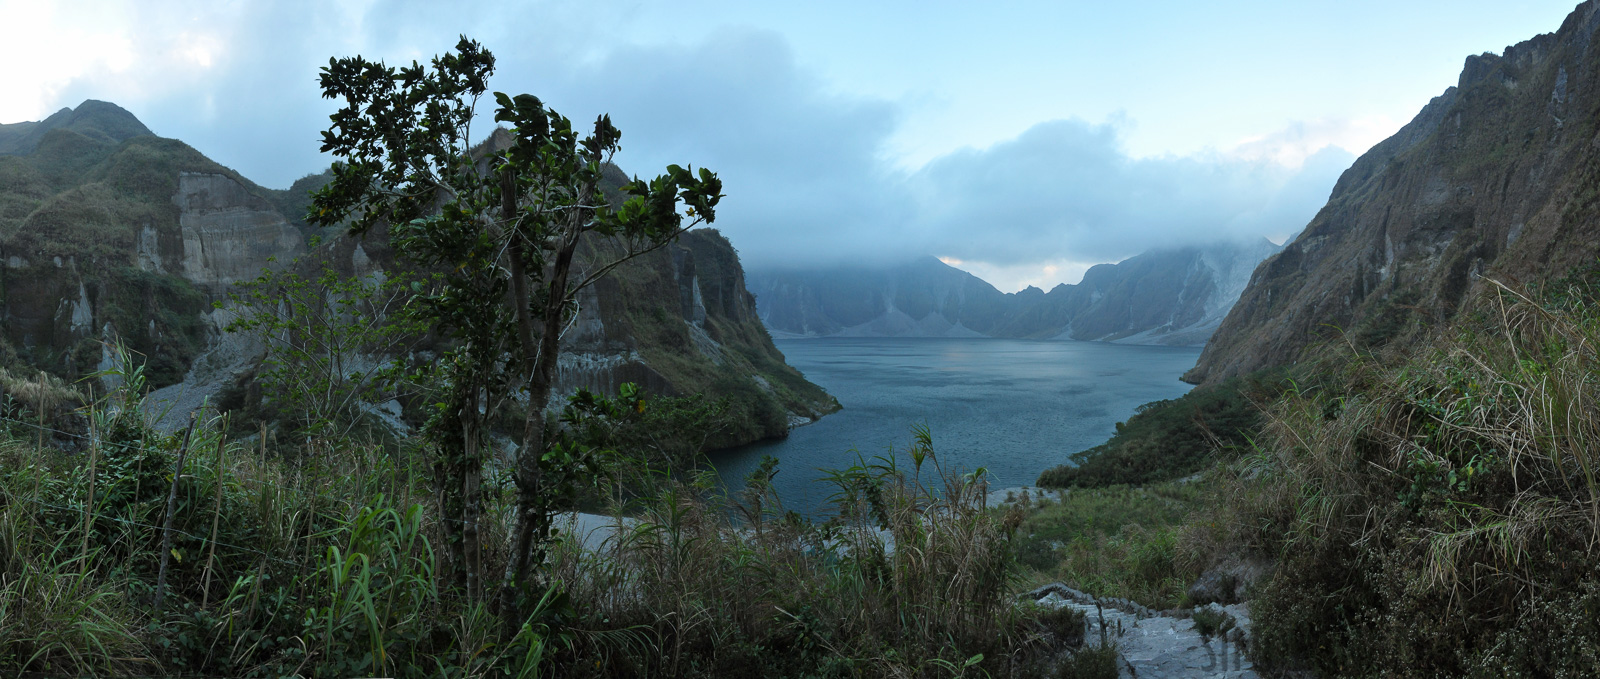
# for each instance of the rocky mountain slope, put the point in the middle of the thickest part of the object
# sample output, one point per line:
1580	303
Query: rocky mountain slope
1498	177
1164	296
122	235
108	232
923	298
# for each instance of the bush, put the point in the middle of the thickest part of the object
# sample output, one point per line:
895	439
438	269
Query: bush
910	579
1211	621
326	565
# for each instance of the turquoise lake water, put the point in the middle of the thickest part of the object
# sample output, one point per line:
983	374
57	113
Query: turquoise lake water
1015	407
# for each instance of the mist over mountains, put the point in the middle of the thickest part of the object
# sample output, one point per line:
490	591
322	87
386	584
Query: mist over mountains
1170	296
810	175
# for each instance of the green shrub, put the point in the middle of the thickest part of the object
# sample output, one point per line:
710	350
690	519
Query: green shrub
1090	662
912	578
1210	622
1067	624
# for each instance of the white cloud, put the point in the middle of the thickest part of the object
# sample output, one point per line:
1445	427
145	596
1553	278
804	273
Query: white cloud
1296	142
1066	189
1013	278
46	50
811	174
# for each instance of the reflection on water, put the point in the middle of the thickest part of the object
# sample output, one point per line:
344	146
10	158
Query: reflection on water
1015	407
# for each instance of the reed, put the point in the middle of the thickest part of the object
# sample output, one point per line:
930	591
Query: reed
1436	513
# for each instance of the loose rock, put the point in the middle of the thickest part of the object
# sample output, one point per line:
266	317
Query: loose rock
1155	644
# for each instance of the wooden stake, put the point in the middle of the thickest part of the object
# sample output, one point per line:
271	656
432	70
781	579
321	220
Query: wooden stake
172	507
311	515
38	451
216	515
88	508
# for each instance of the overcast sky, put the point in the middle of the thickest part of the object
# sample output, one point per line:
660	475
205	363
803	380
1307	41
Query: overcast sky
1024	140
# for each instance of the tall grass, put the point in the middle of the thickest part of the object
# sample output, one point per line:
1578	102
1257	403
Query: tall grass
912	578
318	565
1436	514
323	561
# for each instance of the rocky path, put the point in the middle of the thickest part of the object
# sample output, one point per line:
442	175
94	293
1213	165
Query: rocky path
1160	644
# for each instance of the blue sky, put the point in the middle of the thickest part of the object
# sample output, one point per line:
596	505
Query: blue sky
1024	140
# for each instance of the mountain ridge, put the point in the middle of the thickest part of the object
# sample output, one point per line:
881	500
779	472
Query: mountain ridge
1174	296
133	239
99	120
1496	177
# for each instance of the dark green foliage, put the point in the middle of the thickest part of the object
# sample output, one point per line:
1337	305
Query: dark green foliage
665	435
501	226
1210	622
782	597
1389	318
1066	623
327	338
1090	662
326	567
136	299
295	203
1173	438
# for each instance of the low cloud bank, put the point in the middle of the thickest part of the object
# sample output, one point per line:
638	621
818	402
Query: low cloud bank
807	170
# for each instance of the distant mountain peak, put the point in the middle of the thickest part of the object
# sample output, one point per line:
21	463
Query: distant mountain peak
100	121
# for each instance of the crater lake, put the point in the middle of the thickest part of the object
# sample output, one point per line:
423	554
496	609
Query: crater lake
1013	407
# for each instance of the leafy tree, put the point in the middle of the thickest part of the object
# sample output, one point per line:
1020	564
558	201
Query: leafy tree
515	228
328	340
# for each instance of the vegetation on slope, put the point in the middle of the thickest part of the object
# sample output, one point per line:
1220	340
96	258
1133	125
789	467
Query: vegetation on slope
284	564
1434	514
1173	438
83	202
644	302
1431	506
1116	541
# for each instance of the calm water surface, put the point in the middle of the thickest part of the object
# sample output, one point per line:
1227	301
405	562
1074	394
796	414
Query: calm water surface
1016	407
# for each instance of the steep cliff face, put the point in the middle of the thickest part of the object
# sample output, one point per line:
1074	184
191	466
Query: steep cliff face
1165	296
229	234
680	321
1497	177
134	237
109	232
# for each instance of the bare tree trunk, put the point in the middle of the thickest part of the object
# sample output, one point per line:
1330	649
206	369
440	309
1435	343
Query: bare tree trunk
471	497
216	517
531	521
447	493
